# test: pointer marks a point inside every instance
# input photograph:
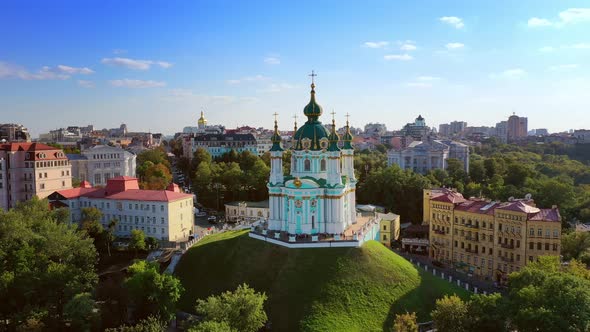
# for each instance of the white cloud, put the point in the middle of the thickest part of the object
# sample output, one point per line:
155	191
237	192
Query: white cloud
60	72
278	87
74	70
581	46
419	85
535	22
134	63
453	20
271	60
568	16
428	78
565	67
575	15
86	84
408	47
454	46
515	73
257	78
401	57
546	49
378	44
130	83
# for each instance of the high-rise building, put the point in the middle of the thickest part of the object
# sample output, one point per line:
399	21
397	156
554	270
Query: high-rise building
31	169
517	127
444	129
489	239
502	131
457	127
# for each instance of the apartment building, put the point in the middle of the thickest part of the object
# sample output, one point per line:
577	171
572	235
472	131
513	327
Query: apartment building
102	162
164	214
31	169
489	239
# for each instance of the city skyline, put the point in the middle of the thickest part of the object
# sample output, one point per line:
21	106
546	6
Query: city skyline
156	68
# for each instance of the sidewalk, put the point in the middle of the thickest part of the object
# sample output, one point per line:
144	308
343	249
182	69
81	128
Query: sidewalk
426	264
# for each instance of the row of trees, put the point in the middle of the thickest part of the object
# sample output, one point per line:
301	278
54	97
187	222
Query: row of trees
234	176
545	296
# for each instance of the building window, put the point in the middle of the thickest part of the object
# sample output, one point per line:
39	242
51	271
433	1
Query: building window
539	246
42	186
555	233
547	233
547	246
555	247
323	164
540	232
63	183
307	165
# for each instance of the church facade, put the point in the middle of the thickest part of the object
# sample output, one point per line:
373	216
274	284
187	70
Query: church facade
318	194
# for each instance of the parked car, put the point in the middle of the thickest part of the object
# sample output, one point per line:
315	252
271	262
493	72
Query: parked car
201	214
212	219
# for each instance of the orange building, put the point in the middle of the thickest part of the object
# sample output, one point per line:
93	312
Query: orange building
31	169
486	238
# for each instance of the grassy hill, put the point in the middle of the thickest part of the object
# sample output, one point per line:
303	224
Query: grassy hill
332	289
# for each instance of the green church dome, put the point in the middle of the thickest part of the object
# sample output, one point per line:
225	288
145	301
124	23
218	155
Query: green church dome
310	135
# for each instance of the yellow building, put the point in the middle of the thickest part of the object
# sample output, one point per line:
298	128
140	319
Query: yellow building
389	228
489	239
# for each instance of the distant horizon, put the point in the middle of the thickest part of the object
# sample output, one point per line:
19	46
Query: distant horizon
156	67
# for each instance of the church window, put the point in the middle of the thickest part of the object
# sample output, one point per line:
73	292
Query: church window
323	165
307	165
312	222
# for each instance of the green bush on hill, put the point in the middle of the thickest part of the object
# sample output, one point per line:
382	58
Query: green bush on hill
332	289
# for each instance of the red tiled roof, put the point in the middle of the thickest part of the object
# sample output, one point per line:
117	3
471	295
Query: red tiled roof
518	206
476	206
112	191
449	197
22	146
547	215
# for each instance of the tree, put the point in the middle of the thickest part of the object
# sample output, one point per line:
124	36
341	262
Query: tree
545	296
81	311
152	243
477	171
152	293
44	264
456	170
137	241
450	314
486	313
150	324
242	309
156	176
212	326
574	244
405	323
110	233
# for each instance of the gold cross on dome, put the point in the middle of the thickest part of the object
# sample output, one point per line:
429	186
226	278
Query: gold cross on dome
333	113
295	117
313	75
275	115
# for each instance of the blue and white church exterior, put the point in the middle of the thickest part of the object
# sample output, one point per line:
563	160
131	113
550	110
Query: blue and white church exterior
318	196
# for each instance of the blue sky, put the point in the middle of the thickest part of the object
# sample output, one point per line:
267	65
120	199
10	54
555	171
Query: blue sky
156	64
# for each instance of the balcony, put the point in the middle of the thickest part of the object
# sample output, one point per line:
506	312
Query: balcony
507	259
472	238
507	246
440	231
471	225
471	250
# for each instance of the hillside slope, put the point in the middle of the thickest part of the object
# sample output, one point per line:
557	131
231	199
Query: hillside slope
332	289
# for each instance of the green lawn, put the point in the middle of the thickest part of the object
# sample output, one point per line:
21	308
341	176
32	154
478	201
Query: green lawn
331	289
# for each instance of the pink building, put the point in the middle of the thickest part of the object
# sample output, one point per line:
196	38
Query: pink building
31	169
164	214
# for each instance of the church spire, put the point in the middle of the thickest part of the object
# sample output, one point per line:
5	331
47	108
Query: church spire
313	110
333	138
347	135
276	137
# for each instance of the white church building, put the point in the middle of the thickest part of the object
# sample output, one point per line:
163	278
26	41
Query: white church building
318	196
